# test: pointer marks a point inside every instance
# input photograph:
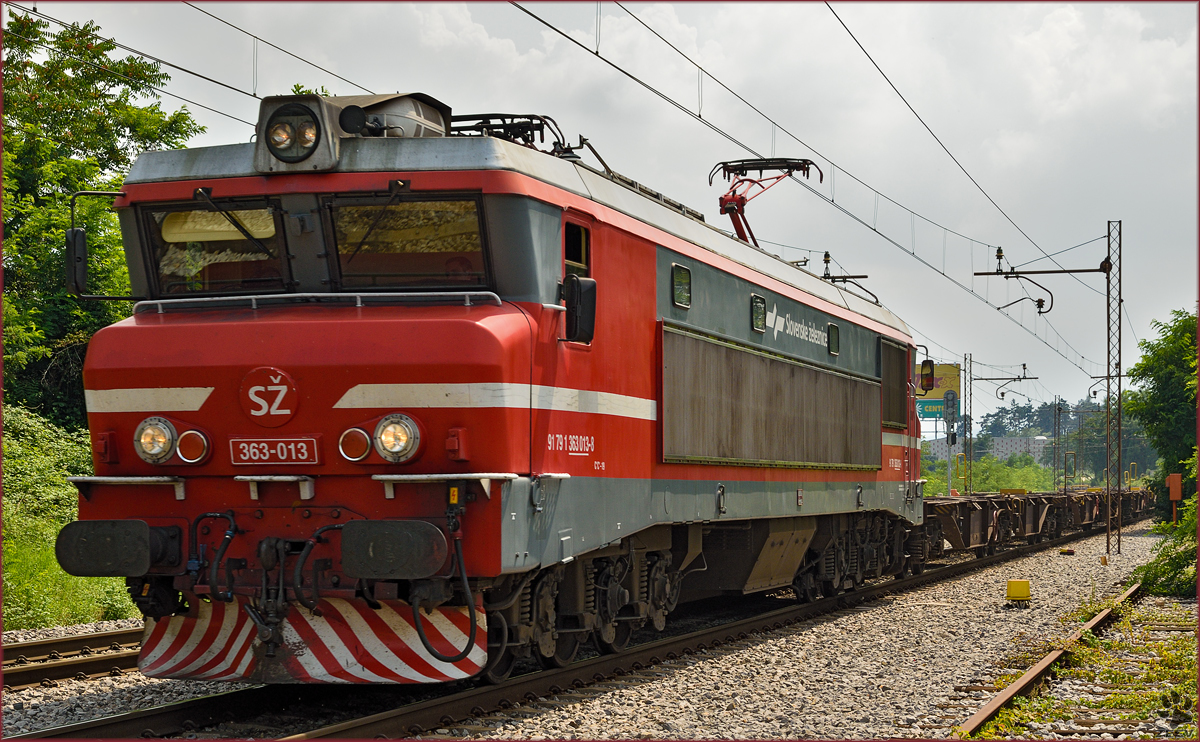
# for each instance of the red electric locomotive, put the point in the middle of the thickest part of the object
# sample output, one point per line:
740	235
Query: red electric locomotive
405	399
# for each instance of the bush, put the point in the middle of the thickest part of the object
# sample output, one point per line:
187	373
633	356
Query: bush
38	501
1173	569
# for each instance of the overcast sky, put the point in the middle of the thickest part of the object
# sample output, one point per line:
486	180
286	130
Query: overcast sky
1067	115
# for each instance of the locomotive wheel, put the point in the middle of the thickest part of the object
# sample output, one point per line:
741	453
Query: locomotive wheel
829	588
620	633
918	567
565	650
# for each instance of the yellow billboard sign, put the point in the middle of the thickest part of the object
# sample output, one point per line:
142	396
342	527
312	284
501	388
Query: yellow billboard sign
946	378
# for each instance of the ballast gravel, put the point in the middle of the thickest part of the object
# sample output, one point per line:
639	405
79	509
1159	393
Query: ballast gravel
877	670
872	671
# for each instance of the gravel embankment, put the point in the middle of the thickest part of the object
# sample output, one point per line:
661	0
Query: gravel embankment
855	674
870	672
58	632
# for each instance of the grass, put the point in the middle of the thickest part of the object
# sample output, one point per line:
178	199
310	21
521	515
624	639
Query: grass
38	501
1157	679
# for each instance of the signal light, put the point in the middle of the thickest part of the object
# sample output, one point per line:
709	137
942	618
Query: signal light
192	446
354	444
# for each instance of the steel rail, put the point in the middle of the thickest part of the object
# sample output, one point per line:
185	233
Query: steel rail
420	717
176	718
41	649
1026	684
46	661
83	667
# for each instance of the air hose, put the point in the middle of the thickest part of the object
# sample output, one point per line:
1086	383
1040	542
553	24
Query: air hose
462	570
298	574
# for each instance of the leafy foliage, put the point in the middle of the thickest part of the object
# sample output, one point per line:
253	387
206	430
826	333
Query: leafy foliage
38	501
74	119
1165	397
1172	571
990	474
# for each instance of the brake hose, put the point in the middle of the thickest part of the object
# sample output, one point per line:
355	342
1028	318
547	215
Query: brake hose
310	603
462	570
214	566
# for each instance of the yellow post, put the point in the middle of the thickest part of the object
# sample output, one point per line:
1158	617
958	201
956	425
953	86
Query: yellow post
961	459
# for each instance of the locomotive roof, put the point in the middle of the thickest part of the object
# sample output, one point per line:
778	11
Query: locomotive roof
373	154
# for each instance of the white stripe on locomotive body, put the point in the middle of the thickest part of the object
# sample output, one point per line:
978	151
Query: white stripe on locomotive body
379	651
329	639
451	633
402	627
225	669
560	399
229	623
148	399
900	439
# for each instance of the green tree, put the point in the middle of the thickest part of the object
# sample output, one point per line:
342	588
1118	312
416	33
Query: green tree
74	119
1164	399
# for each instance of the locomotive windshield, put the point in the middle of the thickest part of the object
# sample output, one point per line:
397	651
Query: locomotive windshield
409	244
202	251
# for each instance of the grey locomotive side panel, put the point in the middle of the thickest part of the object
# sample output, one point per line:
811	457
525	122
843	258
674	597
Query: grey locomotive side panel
721	305
582	514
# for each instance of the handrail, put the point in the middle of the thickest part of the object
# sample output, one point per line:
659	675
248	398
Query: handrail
254	299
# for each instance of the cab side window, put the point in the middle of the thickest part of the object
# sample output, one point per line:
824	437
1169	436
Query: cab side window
577	250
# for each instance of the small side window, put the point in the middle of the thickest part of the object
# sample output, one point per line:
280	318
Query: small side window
758	313
577	250
681	286
833	339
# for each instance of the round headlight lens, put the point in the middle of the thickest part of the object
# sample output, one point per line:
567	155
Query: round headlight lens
293	132
397	438
306	134
154	440
281	135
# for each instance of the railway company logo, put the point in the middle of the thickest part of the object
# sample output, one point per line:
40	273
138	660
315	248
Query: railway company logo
808	332
268	396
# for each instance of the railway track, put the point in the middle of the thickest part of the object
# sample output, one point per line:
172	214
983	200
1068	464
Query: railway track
1095	706
1027	683
79	657
578	681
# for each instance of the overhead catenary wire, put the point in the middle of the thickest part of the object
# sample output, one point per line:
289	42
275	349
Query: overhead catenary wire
278	48
943	146
970	177
131	50
49	48
814	191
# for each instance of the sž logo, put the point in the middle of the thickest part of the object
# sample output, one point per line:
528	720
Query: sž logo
269	396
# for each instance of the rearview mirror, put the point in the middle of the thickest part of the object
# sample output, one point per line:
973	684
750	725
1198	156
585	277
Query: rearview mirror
926	375
580	295
76	261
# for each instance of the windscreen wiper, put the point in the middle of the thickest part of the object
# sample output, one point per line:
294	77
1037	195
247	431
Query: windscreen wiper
204	194
396	188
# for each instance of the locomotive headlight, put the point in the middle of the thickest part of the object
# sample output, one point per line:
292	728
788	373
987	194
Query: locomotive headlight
292	132
154	440
397	438
306	135
280	136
